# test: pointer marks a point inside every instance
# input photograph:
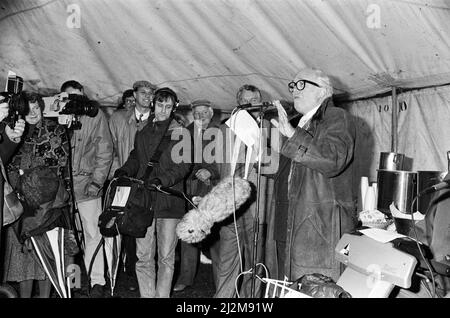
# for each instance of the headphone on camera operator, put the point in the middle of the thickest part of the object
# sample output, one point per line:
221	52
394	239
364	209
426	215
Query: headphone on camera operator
162	94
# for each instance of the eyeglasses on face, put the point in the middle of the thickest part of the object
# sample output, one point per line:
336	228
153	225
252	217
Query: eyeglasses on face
300	85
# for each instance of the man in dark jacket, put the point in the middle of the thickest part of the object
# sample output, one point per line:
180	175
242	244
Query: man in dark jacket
320	195
202	179
167	171
237	236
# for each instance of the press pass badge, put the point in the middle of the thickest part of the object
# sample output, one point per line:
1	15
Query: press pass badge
121	196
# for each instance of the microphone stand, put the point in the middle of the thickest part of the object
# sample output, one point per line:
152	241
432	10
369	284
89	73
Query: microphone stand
258	195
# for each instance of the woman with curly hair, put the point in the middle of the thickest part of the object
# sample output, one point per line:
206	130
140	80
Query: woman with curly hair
43	152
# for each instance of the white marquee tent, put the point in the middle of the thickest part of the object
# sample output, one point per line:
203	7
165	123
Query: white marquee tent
209	48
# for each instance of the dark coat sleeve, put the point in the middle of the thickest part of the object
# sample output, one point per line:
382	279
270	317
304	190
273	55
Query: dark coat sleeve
7	147
172	173
329	152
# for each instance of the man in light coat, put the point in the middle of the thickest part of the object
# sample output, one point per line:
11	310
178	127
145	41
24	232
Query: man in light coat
92	153
124	124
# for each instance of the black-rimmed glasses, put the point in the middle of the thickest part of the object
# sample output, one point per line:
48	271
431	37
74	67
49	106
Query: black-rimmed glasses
300	85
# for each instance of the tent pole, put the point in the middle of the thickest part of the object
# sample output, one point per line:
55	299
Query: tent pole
394	131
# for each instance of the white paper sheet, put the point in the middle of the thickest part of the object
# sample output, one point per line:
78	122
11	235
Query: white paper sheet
246	130
380	235
244	126
121	196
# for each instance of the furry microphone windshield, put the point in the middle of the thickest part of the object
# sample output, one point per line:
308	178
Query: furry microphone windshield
214	207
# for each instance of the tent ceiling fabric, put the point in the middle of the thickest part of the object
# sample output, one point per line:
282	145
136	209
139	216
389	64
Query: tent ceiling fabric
209	48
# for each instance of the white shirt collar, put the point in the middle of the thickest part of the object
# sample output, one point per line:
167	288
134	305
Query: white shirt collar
307	117
138	114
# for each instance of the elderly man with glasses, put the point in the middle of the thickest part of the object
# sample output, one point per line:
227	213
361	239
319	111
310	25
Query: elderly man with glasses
321	201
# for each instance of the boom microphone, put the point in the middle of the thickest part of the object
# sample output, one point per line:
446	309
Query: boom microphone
214	207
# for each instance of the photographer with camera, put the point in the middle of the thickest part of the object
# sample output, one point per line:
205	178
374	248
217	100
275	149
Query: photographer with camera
92	155
37	171
9	138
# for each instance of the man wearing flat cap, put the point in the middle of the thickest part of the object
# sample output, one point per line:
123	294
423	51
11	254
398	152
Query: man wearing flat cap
203	177
123	125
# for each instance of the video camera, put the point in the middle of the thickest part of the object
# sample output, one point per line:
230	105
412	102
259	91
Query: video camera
68	107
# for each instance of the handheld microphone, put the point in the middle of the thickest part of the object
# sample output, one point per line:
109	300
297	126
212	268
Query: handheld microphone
265	106
250	107
437	187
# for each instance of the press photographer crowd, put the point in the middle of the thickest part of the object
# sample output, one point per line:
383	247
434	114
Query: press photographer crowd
89	195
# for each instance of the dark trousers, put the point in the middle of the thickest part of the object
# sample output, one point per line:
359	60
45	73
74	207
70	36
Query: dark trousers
281	252
230	267
129	250
189	258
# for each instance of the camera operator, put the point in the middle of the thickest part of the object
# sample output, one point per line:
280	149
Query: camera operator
155	142
92	154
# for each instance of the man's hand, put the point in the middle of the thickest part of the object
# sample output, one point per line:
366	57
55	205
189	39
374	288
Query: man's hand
203	175
92	189
283	124
196	200
3	110
15	134
150	183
